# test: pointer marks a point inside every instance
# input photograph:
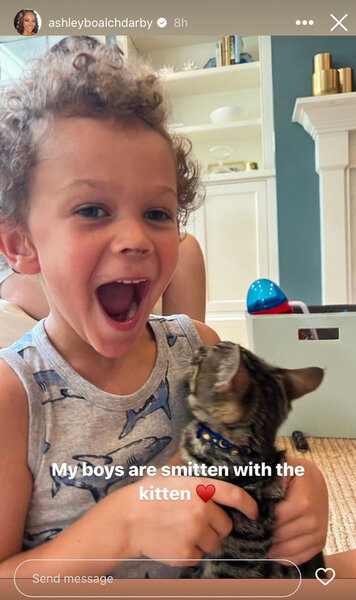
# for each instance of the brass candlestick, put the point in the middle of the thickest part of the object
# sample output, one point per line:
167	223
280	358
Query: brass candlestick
322	61
325	82
345	80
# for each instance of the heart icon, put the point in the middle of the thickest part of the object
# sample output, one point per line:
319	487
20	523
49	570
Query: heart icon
205	492
321	571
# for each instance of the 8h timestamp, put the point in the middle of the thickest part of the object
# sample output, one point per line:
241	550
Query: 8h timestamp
180	22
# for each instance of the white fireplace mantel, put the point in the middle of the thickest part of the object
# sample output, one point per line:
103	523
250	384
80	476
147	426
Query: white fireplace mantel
329	120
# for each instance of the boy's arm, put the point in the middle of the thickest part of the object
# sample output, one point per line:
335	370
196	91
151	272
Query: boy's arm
89	537
208	336
16	488
16	479
302	517
26	292
186	291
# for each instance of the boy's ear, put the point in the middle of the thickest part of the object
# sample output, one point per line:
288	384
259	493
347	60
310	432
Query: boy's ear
19	251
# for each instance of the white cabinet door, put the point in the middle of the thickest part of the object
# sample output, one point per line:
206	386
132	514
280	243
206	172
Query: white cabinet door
232	227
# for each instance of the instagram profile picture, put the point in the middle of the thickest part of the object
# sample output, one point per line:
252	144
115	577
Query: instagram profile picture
27	22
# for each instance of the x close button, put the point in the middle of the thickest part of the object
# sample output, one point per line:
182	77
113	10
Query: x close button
338	22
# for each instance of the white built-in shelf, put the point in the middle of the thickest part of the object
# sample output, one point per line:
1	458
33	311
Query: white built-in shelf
146	43
216	79
229	132
239	176
196	93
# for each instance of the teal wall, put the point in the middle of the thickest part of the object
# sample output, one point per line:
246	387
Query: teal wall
297	181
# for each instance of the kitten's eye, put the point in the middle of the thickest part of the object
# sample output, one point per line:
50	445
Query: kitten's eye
158	214
91	211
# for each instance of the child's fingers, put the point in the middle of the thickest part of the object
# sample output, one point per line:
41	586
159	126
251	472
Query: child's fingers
210	540
288	510
219	521
234	496
293	529
293	548
300	558
194	557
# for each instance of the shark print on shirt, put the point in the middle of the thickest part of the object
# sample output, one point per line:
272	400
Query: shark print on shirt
41	536
139	452
160	399
48	381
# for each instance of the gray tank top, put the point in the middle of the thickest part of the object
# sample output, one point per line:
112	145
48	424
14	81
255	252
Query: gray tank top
73	423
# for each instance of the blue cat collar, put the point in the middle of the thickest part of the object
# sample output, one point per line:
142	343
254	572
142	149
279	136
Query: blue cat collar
216	440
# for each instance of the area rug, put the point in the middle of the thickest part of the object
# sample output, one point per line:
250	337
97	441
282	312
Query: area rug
336	458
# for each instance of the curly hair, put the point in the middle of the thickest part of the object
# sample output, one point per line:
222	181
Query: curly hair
20	20
95	84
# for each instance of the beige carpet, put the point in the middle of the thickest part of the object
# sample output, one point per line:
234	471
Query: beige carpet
336	458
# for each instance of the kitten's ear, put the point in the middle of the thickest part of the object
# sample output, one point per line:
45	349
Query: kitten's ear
232	374
194	367
303	381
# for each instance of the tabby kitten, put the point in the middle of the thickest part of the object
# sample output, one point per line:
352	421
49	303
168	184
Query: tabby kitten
238	401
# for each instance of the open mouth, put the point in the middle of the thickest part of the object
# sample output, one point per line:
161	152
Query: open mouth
121	299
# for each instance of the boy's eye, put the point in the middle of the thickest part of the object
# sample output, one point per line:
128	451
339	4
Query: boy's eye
158	214
91	211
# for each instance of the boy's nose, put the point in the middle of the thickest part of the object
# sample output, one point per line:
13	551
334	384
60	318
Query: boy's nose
132	238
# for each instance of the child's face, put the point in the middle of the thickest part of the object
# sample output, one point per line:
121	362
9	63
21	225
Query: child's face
103	209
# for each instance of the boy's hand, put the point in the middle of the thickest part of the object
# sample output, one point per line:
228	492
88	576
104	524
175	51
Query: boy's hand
302	517
181	529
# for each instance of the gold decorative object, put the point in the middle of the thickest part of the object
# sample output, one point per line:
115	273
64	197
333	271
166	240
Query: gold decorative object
345	80
251	166
325	82
322	62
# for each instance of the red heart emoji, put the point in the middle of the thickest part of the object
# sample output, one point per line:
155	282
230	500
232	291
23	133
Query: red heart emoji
205	492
